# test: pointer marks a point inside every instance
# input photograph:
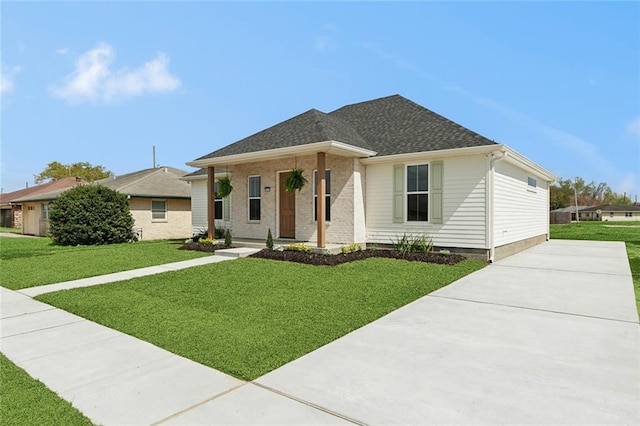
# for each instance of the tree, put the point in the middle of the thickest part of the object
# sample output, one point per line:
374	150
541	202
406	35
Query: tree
589	194
90	215
56	170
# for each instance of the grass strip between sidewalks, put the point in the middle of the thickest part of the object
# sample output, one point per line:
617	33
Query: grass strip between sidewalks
29	262
250	316
26	401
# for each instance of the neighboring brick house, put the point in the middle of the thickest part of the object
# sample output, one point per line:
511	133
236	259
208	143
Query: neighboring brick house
159	201
392	167
11	209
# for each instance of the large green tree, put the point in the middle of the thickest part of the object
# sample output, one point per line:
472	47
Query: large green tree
89	215
56	170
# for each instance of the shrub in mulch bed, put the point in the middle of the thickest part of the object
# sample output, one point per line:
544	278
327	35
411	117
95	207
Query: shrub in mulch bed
337	259
203	247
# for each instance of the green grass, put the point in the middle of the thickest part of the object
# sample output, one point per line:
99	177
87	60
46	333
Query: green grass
29	262
629	232
11	230
250	316
26	401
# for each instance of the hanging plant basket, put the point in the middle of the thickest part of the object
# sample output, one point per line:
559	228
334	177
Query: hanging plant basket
224	187
295	181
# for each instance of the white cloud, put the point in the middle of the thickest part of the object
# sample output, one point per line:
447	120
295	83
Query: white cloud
94	81
633	127
7	76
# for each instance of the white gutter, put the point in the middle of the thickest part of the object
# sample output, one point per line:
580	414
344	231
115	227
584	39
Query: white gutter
493	157
455	152
330	147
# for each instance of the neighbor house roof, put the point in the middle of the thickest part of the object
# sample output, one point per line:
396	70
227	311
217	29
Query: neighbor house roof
571	209
161	182
35	193
384	126
612	208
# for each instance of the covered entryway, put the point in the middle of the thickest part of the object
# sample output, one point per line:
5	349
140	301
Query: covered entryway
287	209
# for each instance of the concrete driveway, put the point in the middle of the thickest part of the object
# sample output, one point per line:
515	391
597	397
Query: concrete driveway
549	335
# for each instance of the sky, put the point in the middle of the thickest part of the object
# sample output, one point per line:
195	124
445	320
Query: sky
105	82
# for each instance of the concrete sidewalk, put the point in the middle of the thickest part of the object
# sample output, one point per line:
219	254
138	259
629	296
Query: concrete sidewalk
549	335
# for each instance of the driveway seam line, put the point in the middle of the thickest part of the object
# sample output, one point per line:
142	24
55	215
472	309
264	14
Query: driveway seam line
532	309
45	328
310	404
177	413
561	270
50	308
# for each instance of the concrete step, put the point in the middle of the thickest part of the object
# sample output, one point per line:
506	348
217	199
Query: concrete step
237	252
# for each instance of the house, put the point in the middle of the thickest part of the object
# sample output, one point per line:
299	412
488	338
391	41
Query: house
611	212
391	167
159	201
11	215
565	214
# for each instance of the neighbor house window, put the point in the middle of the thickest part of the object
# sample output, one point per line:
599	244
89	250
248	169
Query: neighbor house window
158	210
327	195
418	193
45	212
254	197
217	202
532	182
628	214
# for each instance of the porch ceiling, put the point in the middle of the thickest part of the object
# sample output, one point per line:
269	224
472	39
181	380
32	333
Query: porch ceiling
329	147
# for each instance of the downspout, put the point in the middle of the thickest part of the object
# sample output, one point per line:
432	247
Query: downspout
494	157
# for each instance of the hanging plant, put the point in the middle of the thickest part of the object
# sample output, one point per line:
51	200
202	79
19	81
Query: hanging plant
296	180
224	187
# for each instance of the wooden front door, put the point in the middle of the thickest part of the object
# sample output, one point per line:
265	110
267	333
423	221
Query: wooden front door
287	209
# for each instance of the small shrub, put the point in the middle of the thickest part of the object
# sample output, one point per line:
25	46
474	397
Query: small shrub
413	244
353	247
298	247
210	241
227	238
269	240
219	233
90	215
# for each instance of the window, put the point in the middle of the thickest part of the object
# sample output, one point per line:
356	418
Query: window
45	212
532	182
628	214
327	195
611	214
158	210
217	202
254	197
418	193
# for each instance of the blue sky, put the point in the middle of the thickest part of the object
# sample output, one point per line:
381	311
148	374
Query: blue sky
104	82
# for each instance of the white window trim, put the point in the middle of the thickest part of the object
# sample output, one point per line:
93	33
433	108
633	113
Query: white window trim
315	195
249	198
166	210
406	192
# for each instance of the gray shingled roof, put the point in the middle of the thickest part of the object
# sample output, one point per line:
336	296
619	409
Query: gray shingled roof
612	208
161	182
389	125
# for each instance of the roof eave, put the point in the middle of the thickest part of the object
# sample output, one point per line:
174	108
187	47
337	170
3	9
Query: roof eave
329	147
453	152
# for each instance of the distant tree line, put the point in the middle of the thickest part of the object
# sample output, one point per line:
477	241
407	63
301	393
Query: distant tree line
589	194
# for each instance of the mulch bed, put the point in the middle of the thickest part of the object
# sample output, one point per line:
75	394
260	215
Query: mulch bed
337	259
203	247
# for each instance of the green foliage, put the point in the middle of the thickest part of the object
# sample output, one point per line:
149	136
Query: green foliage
26	401
413	243
562	194
227	238
224	187
353	247
239	317
56	170
28	262
210	241
296	180
269	240
298	247
90	215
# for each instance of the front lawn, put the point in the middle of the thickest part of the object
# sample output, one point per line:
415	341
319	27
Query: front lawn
250	316
26	401
629	232
11	230
29	262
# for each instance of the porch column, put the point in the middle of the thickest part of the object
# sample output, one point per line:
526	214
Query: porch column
320	190
211	212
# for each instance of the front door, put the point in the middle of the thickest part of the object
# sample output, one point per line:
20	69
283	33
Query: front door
287	209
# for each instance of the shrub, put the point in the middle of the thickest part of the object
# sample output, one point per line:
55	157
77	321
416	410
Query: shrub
227	238
90	215
208	241
353	247
269	240
218	234
413	244
298	247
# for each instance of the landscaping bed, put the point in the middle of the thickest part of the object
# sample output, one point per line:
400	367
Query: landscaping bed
337	259
209	248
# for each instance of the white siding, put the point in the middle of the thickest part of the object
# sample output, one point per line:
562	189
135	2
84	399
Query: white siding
464	205
520	210
198	205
